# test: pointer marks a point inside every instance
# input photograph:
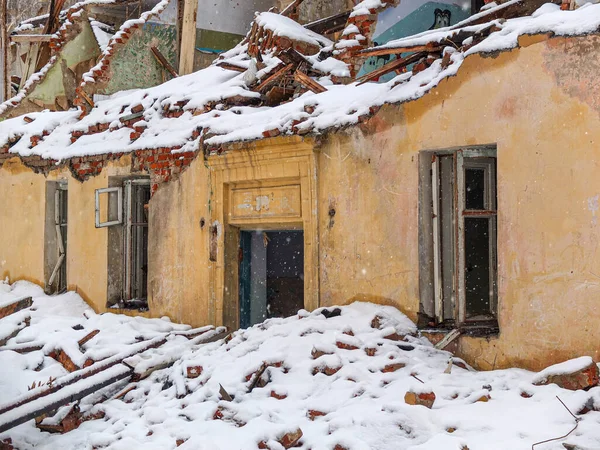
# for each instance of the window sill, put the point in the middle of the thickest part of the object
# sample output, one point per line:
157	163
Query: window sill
477	330
131	305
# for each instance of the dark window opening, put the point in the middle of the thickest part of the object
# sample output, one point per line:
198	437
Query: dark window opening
458	238
271	275
137	196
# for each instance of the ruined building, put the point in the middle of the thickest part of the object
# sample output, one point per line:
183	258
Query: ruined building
450	173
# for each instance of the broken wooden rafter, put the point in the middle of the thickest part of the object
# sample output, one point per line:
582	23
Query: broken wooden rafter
15	306
329	24
454	334
87	338
27	38
66	422
229	66
163	61
375	51
90	371
308	82
7	336
86	97
289	9
50	402
396	64
274	77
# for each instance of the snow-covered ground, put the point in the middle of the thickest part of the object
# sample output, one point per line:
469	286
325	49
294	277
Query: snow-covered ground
338	379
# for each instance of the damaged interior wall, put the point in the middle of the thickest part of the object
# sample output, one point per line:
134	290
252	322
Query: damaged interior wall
134	66
311	10
56	91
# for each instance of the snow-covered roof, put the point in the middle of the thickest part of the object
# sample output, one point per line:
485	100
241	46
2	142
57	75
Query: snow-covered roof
215	106
284	26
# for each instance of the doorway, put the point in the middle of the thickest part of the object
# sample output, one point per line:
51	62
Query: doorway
271	280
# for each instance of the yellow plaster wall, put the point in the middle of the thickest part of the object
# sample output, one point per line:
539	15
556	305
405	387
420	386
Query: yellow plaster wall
179	270
87	251
547	131
24	223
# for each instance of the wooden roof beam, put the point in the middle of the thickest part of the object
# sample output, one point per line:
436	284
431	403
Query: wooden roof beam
396	64
430	47
274	77
26	38
308	82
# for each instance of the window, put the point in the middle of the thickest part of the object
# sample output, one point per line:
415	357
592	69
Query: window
55	254
458	221
137	196
123	208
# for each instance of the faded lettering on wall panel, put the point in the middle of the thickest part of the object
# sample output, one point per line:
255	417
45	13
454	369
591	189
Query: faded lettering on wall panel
281	201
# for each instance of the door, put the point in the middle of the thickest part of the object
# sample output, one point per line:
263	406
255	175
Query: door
271	275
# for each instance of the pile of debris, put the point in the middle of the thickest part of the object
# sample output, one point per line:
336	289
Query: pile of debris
284	78
352	377
69	353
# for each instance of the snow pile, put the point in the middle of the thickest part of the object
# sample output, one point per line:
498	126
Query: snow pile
59	322
284	26
339	375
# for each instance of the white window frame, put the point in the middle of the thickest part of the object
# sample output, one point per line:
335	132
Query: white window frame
110	223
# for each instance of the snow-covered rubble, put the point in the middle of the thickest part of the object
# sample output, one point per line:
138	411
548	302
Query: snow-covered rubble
338	376
338	106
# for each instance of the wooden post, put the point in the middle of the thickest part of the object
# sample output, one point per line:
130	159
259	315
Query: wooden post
5	93
188	37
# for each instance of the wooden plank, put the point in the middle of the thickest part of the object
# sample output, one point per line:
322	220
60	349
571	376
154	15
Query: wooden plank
375	51
15	306
396	64
86	97
274	77
76	391
26	347
26	38
83	374
16	330
454	334
163	61
188	37
289	10
88	337
330	24
308	82
229	66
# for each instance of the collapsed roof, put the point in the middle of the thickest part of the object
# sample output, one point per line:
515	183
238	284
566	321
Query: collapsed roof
284	79
70	24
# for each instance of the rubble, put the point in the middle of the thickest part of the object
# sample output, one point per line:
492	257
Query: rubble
263	388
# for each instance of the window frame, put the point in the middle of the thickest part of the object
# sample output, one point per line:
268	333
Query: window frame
109	190
432	259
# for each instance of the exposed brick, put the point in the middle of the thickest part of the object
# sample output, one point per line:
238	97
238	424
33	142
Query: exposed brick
426	399
194	371
582	379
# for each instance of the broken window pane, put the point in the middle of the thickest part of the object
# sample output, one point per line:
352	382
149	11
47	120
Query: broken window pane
475	189
478	291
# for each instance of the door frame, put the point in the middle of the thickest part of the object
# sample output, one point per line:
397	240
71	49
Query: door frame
280	162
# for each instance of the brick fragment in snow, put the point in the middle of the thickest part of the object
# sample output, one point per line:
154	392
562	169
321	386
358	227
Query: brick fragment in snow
424	398
573	379
194	371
